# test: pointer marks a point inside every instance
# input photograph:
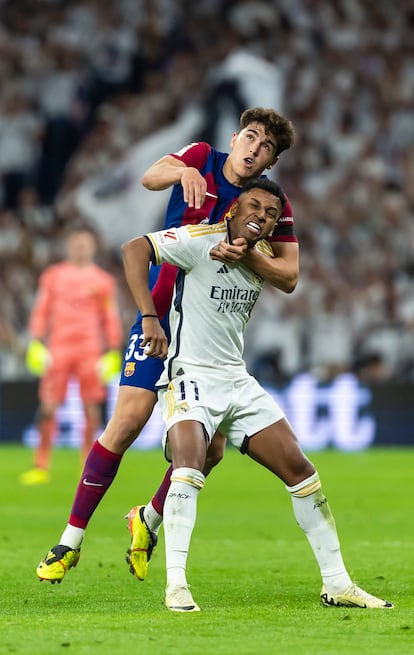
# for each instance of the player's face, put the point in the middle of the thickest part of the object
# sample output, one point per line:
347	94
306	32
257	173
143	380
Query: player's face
252	152
255	215
81	248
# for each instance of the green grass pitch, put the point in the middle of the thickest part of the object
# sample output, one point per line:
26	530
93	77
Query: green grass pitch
250	567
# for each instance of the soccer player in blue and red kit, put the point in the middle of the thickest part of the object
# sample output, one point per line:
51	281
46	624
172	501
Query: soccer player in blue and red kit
205	183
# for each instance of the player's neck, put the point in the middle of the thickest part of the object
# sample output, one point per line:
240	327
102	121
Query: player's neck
80	263
231	175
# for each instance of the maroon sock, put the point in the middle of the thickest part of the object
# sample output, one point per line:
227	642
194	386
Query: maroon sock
158	499
98	473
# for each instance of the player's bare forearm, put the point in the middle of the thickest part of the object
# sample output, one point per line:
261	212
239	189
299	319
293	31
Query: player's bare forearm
136	256
163	173
168	171
282	271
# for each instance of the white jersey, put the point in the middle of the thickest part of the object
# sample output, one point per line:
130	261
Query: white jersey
211	306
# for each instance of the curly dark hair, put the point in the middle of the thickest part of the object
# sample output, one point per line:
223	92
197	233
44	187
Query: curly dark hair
275	124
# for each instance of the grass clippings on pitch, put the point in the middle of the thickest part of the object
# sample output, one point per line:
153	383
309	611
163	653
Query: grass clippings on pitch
250	567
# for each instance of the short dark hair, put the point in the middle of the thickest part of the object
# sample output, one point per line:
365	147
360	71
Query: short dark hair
274	123
267	185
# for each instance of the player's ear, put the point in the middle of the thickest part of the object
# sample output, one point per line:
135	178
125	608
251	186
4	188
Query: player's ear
233	139
273	162
232	210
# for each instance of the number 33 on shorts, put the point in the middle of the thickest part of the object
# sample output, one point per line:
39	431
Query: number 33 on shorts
134	350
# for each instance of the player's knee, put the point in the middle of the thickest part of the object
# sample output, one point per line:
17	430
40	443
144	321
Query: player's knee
132	411
92	414
45	413
212	459
122	430
297	469
215	453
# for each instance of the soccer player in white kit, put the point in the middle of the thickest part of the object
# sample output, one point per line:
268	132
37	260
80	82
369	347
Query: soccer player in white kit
205	385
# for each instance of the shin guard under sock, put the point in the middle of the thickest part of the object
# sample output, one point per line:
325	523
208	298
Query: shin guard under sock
98	474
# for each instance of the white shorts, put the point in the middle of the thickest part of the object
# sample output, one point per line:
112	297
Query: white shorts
236	405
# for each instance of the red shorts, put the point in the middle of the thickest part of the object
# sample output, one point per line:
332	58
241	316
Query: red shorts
72	364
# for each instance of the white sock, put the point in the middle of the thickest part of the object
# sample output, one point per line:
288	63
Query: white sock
314	516
180	511
152	518
72	536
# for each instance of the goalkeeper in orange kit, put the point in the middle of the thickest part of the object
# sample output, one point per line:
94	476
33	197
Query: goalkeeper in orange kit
76	332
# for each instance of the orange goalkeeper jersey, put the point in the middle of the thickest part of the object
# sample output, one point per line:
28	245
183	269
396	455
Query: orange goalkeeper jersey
76	308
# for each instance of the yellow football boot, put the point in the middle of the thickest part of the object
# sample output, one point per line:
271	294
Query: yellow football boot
58	560
143	542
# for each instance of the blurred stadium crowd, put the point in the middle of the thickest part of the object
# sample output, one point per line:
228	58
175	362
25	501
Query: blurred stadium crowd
84	81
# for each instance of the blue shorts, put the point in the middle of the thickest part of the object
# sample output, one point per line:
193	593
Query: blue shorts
139	370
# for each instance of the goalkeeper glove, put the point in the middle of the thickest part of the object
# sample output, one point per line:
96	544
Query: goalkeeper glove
37	358
110	365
